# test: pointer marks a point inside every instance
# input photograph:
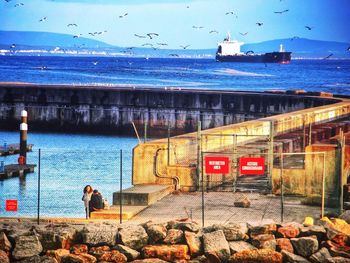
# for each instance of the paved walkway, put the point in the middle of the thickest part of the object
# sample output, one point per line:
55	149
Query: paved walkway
219	208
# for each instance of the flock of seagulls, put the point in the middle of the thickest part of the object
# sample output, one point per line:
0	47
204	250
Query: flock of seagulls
153	35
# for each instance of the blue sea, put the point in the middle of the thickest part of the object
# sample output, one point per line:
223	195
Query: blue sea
69	162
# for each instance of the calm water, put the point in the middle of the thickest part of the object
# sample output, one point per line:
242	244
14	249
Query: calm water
69	162
312	75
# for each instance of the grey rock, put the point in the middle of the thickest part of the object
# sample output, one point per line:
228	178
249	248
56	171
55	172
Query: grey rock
130	253
316	230
187	225
233	231
238	246
215	244
292	258
34	259
345	216
200	259
305	246
174	236
321	256
266	226
47	259
56	236
100	234
156	233
133	236
267	241
340	260
5	244
243	201
26	247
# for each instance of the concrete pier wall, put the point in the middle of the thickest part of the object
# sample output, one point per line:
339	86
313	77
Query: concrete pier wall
112	109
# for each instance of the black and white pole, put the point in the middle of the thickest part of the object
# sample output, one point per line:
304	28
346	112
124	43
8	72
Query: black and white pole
23	138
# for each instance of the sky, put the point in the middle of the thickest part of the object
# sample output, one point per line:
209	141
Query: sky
179	22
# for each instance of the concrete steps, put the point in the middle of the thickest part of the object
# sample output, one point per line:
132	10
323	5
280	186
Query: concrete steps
256	184
113	213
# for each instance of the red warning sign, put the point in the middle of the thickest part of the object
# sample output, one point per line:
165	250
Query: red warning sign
217	164
252	165
11	205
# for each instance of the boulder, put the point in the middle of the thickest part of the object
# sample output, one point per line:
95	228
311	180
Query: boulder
284	244
174	236
321	256
130	253
266	226
81	258
4	257
26	246
79	249
305	246
242	201
336	250
58	254
113	256
264	241
100	234
316	230
56	236
34	259
289	231
133	236
232	231
156	233
256	256
194	243
99	251
214	243
150	260
340	260
47	259
166	252
184	225
5	244
292	258
345	216
238	246
199	259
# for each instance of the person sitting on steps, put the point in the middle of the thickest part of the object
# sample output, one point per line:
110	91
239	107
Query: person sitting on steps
96	202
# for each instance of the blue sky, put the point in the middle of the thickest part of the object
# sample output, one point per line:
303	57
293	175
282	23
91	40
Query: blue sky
173	20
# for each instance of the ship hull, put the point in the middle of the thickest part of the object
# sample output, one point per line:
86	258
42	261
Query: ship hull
273	57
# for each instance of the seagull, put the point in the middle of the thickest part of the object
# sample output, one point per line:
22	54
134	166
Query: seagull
243	34
90	33
147	44
139	36
213	31
8	1
197	27
249	52
72	25
129	48
295	37
162	44
174	55
281	12
328	56
77	36
309	27
151	35
95	63
259	24
184	47
348	49
43	19
121	16
19	4
13	46
188	6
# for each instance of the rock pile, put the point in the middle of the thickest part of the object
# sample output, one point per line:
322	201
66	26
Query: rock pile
176	241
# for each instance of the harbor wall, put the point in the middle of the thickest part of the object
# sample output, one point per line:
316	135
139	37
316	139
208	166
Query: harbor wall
110	110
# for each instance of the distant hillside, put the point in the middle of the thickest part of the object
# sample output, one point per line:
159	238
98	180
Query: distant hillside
302	47
45	39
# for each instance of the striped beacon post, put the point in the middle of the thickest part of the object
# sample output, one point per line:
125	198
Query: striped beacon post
22	159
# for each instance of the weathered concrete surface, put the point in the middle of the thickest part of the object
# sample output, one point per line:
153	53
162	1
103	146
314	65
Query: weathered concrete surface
112	109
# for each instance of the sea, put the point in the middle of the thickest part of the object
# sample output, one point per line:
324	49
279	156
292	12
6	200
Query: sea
68	162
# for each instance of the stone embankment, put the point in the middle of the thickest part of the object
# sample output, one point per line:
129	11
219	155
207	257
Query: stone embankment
176	241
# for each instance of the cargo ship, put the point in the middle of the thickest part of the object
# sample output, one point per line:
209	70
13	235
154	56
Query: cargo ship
230	51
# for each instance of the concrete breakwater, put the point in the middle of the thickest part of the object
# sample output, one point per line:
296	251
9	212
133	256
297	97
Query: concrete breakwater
112	109
176	241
